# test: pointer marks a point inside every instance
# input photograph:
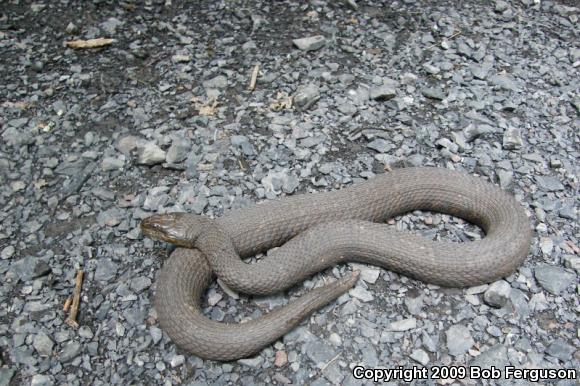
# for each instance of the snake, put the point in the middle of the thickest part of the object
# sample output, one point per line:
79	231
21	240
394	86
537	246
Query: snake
306	233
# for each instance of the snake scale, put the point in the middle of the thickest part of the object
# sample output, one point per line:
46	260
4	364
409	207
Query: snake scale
316	231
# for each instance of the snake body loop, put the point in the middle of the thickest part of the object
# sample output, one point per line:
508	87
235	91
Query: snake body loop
320	230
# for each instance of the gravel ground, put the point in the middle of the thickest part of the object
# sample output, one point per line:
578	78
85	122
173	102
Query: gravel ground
162	119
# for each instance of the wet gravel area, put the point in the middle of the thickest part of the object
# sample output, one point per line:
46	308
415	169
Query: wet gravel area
166	118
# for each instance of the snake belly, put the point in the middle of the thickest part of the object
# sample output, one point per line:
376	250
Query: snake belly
321	230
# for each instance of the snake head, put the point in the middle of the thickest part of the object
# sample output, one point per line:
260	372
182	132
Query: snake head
175	228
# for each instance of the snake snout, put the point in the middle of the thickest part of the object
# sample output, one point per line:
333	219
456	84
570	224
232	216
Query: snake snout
168	227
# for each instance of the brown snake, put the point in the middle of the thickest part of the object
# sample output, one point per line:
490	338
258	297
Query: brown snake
320	230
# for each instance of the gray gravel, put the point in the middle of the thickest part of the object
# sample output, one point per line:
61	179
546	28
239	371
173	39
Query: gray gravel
93	141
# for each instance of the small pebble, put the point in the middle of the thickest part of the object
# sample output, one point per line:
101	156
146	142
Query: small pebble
403	325
310	43
281	358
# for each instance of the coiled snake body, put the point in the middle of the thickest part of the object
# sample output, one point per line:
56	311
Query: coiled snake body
320	230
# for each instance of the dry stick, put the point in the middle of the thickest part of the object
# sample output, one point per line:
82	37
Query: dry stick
67	304
254	77
330	361
72	318
456	34
91	43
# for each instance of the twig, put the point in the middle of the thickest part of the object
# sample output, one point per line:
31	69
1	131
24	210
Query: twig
72	318
67	304
456	34
206	108
254	77
330	361
91	43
